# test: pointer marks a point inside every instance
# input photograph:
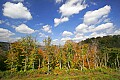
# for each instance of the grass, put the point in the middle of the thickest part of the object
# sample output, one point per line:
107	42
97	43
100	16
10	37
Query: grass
57	74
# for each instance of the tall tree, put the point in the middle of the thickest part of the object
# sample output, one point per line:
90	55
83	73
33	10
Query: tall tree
69	53
48	51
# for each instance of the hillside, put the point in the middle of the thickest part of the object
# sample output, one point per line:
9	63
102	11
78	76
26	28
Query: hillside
98	56
108	41
4	46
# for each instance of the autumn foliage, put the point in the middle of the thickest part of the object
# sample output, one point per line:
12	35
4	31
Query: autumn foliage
25	54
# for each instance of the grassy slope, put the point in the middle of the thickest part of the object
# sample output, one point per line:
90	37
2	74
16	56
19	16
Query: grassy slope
98	74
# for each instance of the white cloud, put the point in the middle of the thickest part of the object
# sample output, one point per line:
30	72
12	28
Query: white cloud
16	11
5	33
65	39
117	32
81	28
92	17
79	37
69	8
95	34
57	21
83	31
55	42
24	29
1	21
9	39
42	35
67	33
103	27
107	20
72	7
58	1
17	0
47	28
14	39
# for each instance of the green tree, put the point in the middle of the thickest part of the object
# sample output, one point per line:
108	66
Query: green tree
69	53
22	54
48	51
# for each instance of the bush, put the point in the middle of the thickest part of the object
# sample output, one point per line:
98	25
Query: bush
1	74
43	70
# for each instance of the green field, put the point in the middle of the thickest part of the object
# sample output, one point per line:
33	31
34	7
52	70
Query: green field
57	74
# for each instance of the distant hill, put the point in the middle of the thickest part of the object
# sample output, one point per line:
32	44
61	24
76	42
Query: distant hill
4	46
108	41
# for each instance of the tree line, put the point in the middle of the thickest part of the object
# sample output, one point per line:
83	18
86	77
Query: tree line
25	54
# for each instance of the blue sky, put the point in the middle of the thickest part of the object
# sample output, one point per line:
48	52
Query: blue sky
60	19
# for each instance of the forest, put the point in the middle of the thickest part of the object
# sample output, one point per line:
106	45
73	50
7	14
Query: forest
26	57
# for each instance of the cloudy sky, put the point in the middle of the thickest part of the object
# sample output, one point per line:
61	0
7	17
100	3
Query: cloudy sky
60	19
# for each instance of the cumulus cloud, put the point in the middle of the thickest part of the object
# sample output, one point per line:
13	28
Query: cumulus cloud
67	33
92	17
16	11
84	31
65	39
47	28
103	27
55	42
57	21
90	27
72	7
69	8
81	28
24	29
5	35
95	34
117	32
79	37
107	20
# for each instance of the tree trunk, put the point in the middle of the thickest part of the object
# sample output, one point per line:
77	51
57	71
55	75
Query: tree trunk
48	64
25	64
11	65
101	61
43	62
39	64
115	64
88	62
83	61
26	60
105	61
68	64
95	61
118	61
33	66
60	64
81	67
